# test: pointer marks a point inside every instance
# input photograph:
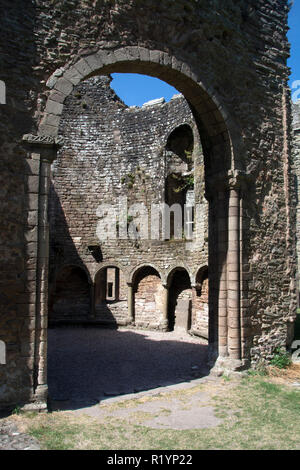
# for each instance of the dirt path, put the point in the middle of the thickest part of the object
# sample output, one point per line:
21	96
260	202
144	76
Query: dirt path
178	407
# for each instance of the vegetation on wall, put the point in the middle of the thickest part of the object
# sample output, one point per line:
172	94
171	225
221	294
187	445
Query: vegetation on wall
185	182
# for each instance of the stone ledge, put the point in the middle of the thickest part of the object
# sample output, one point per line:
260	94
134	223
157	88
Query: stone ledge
155	102
41	407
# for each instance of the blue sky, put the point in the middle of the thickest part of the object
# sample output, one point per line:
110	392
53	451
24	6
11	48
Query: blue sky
294	39
135	89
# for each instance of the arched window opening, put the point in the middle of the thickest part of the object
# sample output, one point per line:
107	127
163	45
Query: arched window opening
180	145
110	295
179	183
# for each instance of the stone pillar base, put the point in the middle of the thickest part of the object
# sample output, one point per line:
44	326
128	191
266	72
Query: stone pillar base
228	366
39	400
35	406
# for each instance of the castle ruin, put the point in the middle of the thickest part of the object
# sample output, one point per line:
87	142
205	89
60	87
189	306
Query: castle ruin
67	148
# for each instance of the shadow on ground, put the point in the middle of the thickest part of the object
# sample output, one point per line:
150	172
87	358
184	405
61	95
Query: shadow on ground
88	365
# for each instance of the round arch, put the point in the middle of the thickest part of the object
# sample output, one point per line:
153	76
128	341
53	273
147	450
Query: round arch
200	271
73	265
110	282
111	264
222	148
135	271
178	267
217	128
184	124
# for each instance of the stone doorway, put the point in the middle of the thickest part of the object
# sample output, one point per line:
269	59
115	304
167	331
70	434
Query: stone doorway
239	96
180	301
222	182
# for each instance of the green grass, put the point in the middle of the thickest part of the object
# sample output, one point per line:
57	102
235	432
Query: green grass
255	413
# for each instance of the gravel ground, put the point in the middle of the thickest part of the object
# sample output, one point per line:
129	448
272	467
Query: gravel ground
12	439
87	365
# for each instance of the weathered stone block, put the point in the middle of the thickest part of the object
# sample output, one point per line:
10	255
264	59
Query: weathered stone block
32	184
83	67
74	76
54	107
32	167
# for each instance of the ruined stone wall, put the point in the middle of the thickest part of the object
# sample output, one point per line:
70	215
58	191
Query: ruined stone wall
112	151
72	294
229	60
18	58
237	52
296	160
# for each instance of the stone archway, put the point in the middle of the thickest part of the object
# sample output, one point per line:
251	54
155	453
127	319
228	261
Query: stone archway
180	300
240	97
148	297
110	295
224	181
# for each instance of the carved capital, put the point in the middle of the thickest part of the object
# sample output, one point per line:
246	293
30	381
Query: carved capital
42	140
45	145
238	179
226	181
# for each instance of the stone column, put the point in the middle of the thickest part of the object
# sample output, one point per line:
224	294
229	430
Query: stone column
222	228
217	260
42	151
164	323
213	262
225	196
193	312
233	273
130	303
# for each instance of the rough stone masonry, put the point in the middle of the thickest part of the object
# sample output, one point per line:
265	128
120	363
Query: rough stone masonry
228	59
296	162
149	156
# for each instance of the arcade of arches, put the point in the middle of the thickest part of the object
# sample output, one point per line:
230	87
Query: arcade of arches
145	302
225	149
